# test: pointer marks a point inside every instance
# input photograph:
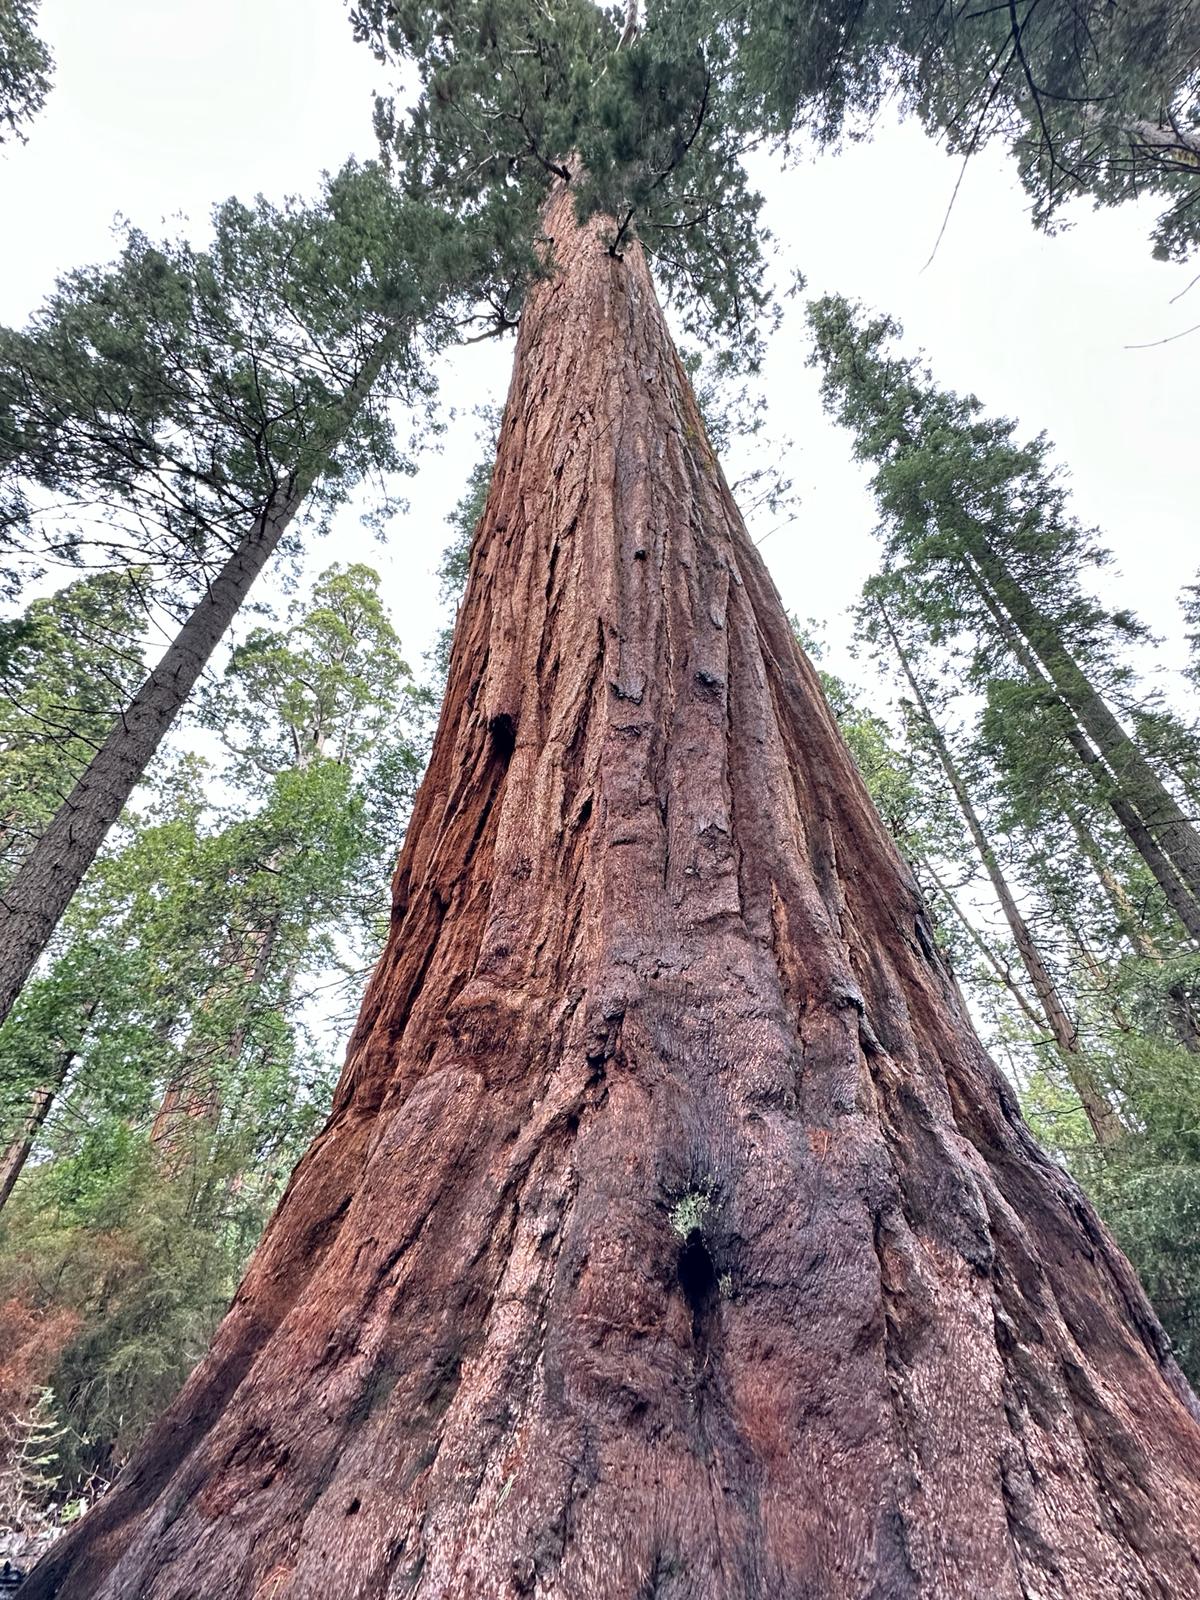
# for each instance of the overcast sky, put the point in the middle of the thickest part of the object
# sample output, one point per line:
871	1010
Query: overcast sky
161	108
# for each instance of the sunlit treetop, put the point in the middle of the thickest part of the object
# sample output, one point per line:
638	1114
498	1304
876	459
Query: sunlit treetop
331	684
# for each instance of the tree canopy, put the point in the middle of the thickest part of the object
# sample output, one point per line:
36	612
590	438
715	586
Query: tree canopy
25	68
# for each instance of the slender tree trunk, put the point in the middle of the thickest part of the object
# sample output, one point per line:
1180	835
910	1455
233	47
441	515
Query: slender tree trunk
1105	1123
1001	968
1176	892
1117	895
1139	784
16	1154
19	1149
1178	1002
1101	976
53	868
671	1233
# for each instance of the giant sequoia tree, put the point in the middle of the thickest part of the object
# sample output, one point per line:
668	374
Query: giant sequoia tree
671	1233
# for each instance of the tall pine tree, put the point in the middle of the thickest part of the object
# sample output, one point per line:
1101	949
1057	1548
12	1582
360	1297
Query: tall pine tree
979	538
186	407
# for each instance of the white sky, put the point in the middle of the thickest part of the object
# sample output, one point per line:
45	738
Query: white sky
161	108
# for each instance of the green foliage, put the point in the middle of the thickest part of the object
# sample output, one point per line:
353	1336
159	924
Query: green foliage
171	1024
889	776
983	564
148	1261
689	1211
1190	603
1054	1113
512	96
464	519
66	666
909	795
166	400
25	67
1148	1187
1092	99
30	1472
954	487
456	557
327	685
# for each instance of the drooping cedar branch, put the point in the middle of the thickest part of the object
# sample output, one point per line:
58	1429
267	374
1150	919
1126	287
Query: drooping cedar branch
671	1232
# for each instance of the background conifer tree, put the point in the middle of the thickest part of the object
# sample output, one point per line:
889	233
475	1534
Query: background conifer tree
25	67
186	406
163	1073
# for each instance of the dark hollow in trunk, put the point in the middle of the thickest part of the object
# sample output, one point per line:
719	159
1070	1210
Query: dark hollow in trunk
671	1234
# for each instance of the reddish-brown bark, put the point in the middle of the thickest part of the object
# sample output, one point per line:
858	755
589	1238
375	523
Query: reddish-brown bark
671	1234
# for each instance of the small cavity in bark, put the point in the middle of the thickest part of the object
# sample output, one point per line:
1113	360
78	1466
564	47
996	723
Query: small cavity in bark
504	735
698	1280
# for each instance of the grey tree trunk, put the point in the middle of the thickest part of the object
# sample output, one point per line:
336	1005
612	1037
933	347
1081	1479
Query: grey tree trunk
1178	895
1141	786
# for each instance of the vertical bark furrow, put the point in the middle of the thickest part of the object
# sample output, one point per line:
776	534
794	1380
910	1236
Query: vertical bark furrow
672	1233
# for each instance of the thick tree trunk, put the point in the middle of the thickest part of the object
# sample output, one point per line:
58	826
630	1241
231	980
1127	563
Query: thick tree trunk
671	1234
41	889
1102	1118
